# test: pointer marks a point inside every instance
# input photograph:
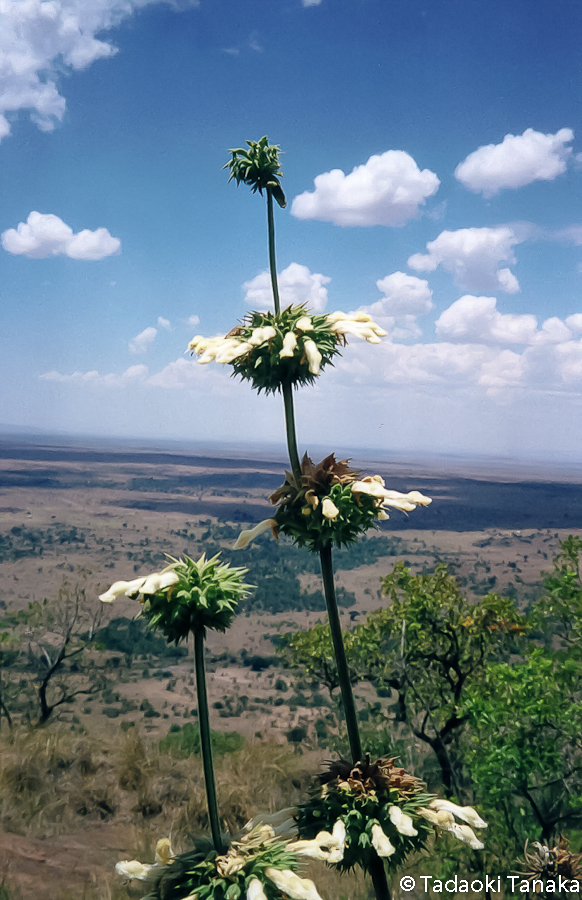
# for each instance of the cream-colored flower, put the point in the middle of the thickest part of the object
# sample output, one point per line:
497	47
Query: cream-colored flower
381	842
261	335
229	864
282	822
304	324
329	509
464	813
232	350
324	847
118	589
132	868
402	821
289	345
255	890
441	818
157	581
374	487
291	884
313	356
249	534
466	835
359	316
164	852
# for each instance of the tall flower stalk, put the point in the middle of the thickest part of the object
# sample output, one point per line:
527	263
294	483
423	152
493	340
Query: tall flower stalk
189	597
241	168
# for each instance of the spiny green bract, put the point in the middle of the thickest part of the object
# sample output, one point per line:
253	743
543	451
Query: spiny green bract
314	531
195	873
359	814
258	167
206	596
264	367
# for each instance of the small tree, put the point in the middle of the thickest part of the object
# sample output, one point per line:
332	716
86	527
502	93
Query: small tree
54	639
524	745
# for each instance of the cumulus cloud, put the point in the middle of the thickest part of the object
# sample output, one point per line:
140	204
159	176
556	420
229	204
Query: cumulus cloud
404	295
296	285
141	342
473	256
39	39
572	235
164	323
387	190
476	319
517	161
44	235
193	320
133	375
405	298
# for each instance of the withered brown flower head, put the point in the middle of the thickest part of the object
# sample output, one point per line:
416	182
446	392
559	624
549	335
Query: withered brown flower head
551	862
316	480
372	776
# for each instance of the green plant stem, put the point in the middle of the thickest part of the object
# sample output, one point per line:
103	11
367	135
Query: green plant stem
290	432
205	744
272	261
340	653
379	880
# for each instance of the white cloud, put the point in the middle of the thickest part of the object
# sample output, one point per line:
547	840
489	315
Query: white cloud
296	285
387	190
517	161
40	38
310	2
164	323
193	320
133	375
473	256
476	319
405	295
44	235
141	342
572	235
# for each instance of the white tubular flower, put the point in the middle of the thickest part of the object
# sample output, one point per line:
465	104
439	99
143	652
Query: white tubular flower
117	589
325	847
440	818
401	821
249	534
232	350
360	316
261	335
255	890
467	836
464	813
381	843
313	356
134	587
329	509
374	487
291	884
382	515
289	345
157	581
132	868
304	324
164	852
282	822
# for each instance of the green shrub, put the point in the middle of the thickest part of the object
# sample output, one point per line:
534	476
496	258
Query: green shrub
183	741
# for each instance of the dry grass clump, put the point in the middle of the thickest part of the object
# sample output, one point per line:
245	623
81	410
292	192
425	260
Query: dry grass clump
53	780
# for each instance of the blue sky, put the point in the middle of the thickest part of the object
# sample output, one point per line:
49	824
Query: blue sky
444	137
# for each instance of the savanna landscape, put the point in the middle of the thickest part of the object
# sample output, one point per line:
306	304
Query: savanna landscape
116	764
